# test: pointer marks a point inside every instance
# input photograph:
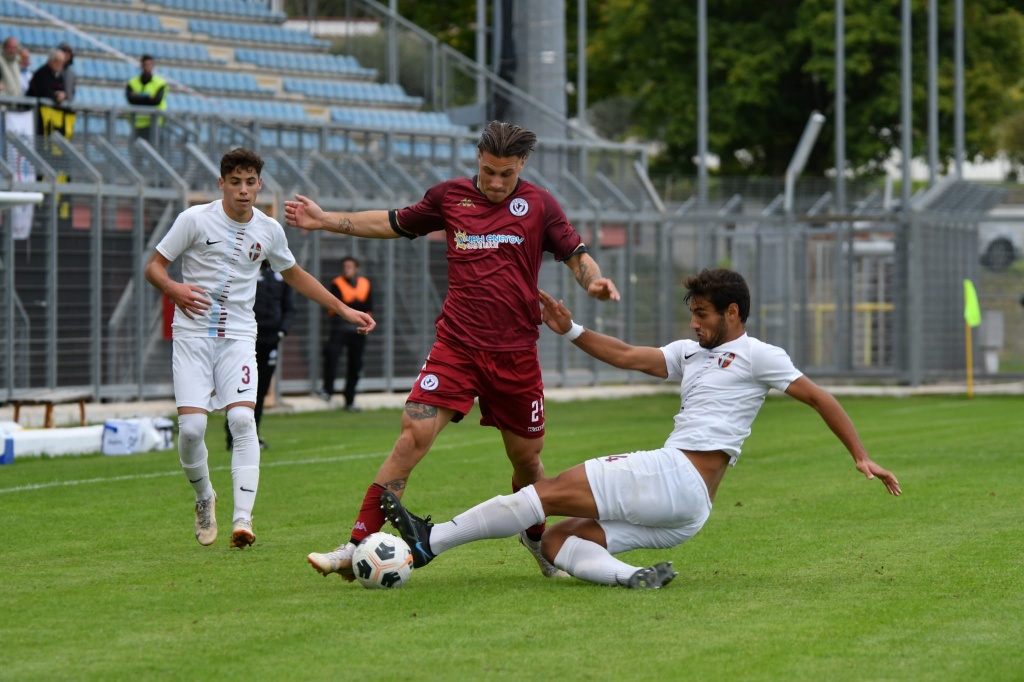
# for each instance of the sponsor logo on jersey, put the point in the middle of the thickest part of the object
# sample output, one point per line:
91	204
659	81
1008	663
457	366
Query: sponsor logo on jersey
429	383
519	207
473	242
726	360
255	251
468	203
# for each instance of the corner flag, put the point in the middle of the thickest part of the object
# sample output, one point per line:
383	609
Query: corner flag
972	311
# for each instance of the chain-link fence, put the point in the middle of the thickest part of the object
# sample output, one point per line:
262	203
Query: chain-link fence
873	294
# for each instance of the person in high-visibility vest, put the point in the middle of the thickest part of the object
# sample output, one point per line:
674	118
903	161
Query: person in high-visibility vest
354	291
147	89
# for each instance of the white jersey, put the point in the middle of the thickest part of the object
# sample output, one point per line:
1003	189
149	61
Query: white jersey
722	389
222	257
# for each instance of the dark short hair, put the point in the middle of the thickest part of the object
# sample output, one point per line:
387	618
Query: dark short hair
349	258
240	157
145	58
507	139
721	287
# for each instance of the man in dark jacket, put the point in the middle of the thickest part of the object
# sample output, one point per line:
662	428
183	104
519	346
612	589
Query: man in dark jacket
354	291
274	309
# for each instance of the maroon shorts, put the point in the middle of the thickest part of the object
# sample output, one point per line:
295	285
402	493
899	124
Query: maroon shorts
508	383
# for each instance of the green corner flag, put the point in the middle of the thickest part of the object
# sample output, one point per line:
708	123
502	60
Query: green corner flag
972	311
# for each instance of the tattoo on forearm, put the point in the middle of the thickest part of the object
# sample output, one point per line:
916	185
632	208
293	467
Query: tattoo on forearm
345	226
420	411
396	485
585	275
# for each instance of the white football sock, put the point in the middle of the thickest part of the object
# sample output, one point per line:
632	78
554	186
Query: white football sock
590	561
498	517
245	460
193	455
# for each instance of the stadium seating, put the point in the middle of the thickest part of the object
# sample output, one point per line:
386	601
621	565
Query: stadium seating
44	38
235	8
255	33
121	20
378	93
327	64
288	78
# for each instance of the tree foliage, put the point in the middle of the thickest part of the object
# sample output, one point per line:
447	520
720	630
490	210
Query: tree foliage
770	65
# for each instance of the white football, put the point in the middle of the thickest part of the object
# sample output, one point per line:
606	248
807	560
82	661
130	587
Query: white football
382	561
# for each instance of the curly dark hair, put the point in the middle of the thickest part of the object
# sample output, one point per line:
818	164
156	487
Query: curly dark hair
240	157
507	139
721	287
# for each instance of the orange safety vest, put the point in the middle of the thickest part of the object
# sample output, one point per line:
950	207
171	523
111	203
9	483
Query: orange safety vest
349	294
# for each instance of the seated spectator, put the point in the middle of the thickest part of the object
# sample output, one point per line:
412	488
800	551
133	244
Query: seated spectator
69	73
10	74
25	67
48	83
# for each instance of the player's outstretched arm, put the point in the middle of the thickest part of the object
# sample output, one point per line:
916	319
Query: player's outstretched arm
308	286
306	214
605	348
588	273
833	414
191	300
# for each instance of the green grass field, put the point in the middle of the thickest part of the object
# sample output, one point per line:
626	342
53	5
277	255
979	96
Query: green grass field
805	570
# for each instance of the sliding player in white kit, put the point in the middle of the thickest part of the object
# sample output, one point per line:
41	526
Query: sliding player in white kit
221	245
658	498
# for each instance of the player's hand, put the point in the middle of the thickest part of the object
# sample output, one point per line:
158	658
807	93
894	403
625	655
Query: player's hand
554	313
872	470
365	322
190	300
603	289
304	213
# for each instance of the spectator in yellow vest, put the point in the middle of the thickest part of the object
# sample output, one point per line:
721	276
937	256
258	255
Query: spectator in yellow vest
147	89
354	291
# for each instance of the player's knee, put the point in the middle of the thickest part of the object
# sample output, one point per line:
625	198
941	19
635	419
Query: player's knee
241	421
413	443
191	429
552	540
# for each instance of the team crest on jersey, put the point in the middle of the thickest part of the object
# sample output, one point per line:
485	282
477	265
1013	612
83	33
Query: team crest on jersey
519	207
429	383
255	251
726	360
467	203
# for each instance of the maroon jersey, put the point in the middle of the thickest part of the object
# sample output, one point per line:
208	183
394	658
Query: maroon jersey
494	257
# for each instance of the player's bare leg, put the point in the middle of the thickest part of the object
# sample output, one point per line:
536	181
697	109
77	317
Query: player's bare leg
527	468
420	426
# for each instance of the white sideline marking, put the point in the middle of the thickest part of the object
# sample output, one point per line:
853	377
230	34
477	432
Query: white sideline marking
177	472
139	477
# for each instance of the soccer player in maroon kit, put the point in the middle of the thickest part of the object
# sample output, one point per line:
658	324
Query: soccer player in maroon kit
497	227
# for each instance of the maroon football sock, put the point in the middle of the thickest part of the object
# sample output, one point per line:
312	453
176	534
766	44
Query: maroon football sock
371	516
533	532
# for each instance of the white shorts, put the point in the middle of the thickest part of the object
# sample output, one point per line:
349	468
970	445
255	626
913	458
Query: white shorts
210	373
653	499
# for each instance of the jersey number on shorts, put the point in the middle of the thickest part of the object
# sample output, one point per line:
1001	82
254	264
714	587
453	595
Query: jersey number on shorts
538	411
245	374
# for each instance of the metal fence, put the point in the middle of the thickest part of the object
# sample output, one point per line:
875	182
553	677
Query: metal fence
874	294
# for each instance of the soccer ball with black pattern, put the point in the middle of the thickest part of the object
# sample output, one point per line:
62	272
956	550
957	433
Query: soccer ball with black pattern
382	561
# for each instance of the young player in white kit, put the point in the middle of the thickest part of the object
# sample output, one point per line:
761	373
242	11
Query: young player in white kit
658	498
221	245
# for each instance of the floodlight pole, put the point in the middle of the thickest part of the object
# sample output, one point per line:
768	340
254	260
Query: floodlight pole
702	104
791	268
799	160
933	92
958	86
